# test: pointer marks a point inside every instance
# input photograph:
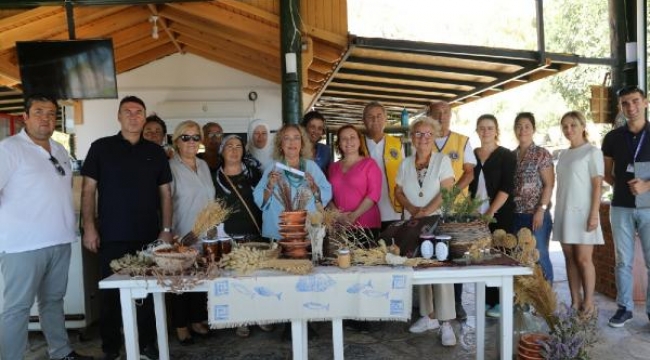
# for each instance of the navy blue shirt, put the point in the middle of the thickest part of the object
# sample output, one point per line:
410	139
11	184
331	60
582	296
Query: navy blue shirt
620	144
128	178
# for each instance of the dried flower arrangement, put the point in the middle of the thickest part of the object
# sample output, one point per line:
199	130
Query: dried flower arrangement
290	202
461	208
571	335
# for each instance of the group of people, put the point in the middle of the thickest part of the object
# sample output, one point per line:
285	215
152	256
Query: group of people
136	190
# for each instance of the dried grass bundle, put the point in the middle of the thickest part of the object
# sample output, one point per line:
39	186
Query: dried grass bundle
292	266
536	291
298	202
215	213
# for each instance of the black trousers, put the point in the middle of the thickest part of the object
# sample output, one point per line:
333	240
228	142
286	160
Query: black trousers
110	320
188	308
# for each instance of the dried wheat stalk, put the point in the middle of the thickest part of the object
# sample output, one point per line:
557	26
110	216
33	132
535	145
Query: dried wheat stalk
211	215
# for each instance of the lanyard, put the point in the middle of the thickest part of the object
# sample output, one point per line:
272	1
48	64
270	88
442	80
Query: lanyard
638	145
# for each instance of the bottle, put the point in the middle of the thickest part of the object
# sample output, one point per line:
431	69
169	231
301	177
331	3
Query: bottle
405	117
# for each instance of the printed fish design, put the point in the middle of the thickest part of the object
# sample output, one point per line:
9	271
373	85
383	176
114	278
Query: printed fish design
354	289
264	291
316	306
375	293
243	289
314	283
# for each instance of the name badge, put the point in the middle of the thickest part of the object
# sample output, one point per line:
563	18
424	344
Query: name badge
630	168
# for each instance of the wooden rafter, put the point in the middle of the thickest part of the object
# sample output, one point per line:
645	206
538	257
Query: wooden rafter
165	27
132	62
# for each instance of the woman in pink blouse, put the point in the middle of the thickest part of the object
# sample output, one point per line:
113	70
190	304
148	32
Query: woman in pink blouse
356	181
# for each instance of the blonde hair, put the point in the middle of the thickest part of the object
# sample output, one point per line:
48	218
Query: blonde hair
305	144
577	117
425	120
181	128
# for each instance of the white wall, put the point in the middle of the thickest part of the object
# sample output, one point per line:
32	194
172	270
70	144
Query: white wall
184	78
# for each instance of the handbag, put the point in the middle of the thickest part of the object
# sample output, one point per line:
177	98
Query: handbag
406	233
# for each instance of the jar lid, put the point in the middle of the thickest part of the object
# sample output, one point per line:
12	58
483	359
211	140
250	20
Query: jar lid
443	237
209	241
344	251
224	238
427	236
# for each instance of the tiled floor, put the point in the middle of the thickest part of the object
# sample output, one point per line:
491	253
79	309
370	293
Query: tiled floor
389	340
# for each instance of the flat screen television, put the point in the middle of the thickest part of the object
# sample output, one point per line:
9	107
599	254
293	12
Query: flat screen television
71	69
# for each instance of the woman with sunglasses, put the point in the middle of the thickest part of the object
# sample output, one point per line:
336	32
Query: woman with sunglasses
192	190
420	179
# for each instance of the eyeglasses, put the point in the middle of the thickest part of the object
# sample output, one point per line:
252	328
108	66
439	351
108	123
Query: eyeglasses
57	165
627	90
214	135
186	138
426	135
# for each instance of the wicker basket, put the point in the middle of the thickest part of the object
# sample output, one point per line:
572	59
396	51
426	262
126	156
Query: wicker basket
175	261
464	235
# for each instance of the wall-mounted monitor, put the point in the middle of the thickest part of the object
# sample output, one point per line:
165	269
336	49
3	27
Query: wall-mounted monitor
72	69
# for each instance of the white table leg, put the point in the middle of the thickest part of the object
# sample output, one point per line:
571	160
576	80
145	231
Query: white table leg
161	325
337	338
130	324
299	339
480	320
506	317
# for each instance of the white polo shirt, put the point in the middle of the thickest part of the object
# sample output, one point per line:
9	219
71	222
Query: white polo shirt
36	208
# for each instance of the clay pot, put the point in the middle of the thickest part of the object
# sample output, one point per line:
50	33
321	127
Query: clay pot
293	235
292	228
295	249
293	217
529	346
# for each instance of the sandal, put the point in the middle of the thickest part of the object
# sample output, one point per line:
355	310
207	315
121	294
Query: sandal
184	337
199	329
266	328
243	331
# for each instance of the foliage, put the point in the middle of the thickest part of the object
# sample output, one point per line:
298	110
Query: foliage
571	336
458	207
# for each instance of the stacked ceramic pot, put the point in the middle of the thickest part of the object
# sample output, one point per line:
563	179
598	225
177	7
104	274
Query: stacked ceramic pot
294	240
530	346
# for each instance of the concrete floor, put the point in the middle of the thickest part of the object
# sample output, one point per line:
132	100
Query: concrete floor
388	340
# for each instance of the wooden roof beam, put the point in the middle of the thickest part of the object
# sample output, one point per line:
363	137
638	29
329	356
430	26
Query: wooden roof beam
28	16
252	10
41	28
137	47
163	25
138	60
114	23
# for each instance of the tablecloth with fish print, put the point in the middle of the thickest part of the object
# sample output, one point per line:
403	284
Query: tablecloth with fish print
265	297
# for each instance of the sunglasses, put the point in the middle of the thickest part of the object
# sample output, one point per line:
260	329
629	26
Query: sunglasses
186	138
57	165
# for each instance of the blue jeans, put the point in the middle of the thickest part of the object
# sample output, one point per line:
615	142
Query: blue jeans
626	222
542	237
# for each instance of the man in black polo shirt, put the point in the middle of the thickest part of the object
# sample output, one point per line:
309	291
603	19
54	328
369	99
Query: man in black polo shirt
132	179
627	151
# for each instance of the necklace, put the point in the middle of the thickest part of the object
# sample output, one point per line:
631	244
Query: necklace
421	171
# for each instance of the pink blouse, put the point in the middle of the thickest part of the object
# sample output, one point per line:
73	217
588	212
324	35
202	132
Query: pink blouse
362	180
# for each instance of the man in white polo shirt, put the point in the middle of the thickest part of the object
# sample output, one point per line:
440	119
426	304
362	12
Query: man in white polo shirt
37	225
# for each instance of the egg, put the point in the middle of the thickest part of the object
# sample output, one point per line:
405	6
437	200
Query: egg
426	248
442	251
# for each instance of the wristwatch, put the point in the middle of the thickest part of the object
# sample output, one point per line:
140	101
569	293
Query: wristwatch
168	230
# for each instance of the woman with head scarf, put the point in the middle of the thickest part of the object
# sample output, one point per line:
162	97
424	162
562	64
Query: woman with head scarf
260	142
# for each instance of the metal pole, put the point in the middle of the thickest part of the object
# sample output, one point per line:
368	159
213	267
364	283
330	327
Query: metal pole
641	43
291	45
541	43
69	13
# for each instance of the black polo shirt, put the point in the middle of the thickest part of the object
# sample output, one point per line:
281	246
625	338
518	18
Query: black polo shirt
128	178
620	144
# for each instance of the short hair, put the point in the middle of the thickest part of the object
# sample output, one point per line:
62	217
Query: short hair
338	139
305	144
133	99
428	121
207	126
29	101
578	117
181	128
525	115
373	104
492	118
630	89
155	118
311	116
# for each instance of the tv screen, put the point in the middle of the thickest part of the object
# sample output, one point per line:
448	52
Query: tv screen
73	69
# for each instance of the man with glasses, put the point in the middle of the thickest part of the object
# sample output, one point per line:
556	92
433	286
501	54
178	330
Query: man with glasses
212	136
461	153
131	177
37	225
626	152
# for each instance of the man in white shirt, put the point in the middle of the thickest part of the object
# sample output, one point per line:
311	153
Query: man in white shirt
37	225
388	152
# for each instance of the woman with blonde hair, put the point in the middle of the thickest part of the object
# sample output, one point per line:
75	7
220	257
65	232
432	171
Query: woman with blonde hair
420	179
192	189
580	172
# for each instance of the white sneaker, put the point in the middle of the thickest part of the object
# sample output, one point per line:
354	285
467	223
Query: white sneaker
425	323
447	334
